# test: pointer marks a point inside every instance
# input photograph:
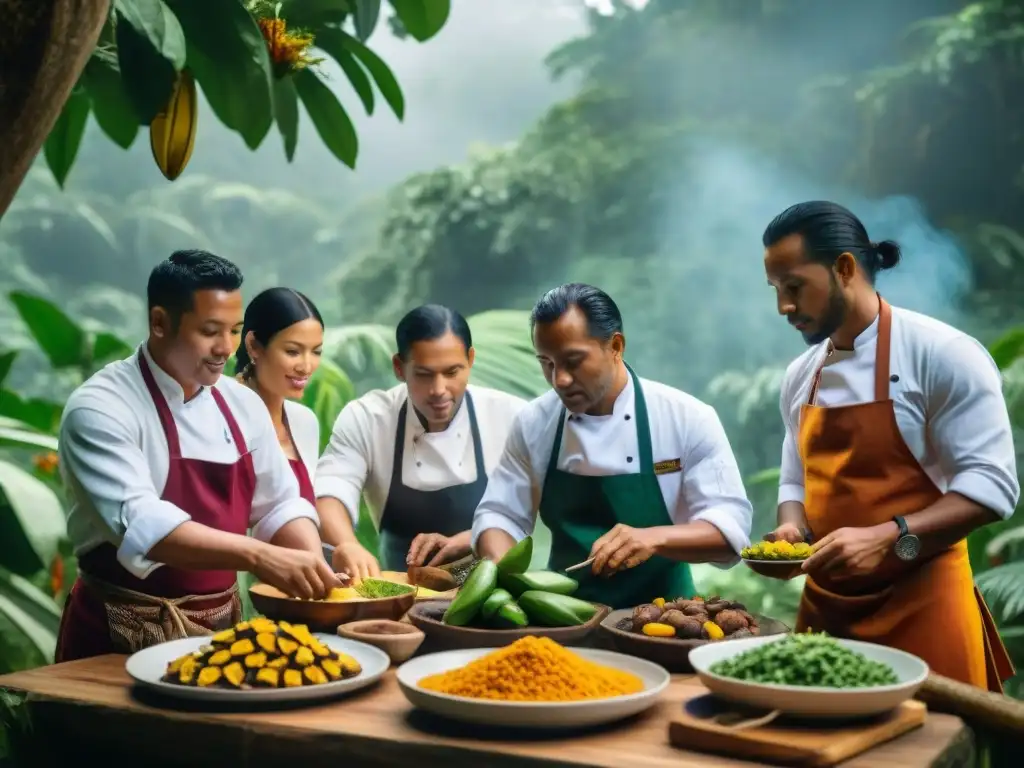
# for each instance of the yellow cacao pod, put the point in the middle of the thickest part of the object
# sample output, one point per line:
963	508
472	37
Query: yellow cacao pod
172	134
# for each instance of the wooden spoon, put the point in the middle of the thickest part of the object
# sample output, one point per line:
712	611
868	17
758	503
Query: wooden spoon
431	578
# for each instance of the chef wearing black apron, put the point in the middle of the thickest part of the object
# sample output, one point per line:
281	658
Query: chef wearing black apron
419	454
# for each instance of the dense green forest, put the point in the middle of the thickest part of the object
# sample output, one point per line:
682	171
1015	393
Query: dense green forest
694	123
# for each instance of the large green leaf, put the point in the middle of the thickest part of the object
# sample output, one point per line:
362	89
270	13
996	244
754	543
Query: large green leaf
1001	588
41	415
286	112
312	14
65	138
17	434
111	106
61	339
31	611
150	53
329	117
228	56
107	346
1007	348
350	53
6	363
328	392
366	14
422	18
32	521
764	477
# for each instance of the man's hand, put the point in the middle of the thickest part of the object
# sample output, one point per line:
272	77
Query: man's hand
352	558
786	532
852	551
296	572
624	547
445	549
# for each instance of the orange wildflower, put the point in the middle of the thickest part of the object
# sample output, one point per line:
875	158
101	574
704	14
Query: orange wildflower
288	49
45	462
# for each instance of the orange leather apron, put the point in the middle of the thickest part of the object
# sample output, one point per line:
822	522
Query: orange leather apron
859	472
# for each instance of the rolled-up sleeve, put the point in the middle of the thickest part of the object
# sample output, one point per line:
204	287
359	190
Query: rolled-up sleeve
791	470
103	461
712	486
276	501
344	466
969	426
508	501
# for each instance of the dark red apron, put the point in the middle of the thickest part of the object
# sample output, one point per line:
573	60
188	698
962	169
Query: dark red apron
213	494
305	484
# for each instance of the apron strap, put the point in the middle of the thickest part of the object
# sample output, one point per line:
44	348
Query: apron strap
882	356
162	409
478	448
236	432
643	430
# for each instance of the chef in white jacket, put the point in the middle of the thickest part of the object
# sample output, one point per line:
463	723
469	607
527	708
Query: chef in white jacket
420	452
170	465
635	474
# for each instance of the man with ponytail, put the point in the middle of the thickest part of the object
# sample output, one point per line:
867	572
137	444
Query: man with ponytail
897	446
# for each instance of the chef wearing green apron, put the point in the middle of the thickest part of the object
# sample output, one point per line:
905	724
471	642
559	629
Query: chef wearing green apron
635	474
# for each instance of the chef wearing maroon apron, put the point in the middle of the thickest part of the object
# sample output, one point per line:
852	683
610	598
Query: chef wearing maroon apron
419	453
282	341
898	445
170	464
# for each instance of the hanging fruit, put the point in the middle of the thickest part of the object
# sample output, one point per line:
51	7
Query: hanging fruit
172	134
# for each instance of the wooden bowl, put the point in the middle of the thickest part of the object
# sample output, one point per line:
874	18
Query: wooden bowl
323	616
670	652
396	638
776	569
427	616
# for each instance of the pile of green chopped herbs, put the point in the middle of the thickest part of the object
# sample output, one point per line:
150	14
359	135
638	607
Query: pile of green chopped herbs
374	588
809	660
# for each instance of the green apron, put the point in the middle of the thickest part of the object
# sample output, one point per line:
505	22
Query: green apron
579	509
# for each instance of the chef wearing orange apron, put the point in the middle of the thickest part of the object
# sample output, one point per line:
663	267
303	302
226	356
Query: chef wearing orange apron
898	444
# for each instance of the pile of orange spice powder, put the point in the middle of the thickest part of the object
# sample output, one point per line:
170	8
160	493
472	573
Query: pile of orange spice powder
533	669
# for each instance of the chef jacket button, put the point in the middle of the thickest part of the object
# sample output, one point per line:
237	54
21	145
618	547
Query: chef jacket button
629	459
627	417
894	378
419	463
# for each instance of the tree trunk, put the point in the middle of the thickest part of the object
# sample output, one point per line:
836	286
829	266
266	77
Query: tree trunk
44	46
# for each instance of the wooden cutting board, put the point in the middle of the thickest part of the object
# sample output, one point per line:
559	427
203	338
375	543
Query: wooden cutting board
786	743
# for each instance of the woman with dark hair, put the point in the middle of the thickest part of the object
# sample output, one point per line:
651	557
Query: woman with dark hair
282	340
898	445
420	452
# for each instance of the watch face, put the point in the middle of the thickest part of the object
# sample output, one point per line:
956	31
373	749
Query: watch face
908	547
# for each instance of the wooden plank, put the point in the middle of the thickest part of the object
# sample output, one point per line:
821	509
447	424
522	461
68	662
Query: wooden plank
92	705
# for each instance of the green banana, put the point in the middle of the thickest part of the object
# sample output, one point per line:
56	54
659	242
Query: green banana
493	603
517	559
511	616
552	610
543	581
478	587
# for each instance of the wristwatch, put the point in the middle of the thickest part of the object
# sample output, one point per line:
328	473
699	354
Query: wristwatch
907	546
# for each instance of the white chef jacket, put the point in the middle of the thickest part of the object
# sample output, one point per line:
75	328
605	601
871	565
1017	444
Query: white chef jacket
948	401
708	486
305	429
114	459
360	456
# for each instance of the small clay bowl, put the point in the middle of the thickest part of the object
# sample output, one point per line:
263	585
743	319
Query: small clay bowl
396	638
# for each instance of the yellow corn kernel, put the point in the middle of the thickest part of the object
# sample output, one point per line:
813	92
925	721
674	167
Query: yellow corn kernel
659	601
714	631
656	629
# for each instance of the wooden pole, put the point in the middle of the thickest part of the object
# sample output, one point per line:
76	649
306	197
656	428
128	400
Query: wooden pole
44	46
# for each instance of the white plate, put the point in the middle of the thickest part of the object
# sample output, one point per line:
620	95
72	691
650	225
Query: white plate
816	702
147	666
528	714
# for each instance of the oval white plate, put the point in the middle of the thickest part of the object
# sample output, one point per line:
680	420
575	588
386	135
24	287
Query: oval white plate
147	666
528	714
816	702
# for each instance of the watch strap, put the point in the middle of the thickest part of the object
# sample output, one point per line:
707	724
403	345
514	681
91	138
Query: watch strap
904	530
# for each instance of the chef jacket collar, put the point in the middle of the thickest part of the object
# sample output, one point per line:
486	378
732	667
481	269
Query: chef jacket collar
622	408
414	422
171	389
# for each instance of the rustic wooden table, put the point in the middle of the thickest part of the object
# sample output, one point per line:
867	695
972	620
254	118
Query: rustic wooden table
88	709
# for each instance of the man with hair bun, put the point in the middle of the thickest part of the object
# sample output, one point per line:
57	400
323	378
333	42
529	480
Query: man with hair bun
898	445
635	476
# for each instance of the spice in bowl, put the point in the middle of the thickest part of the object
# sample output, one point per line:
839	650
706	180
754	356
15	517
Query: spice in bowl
533	669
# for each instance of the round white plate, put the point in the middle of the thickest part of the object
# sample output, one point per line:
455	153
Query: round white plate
147	666
528	714
816	702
